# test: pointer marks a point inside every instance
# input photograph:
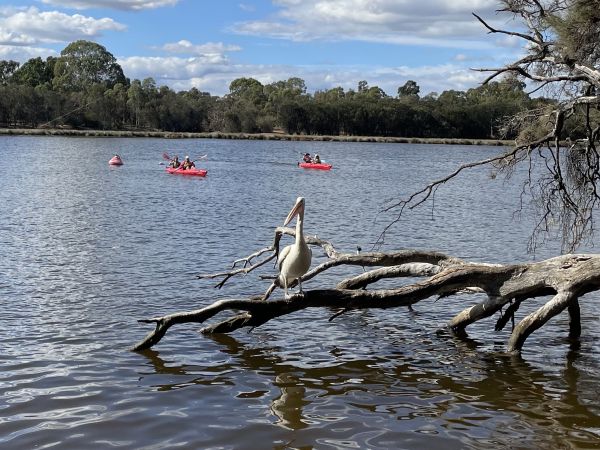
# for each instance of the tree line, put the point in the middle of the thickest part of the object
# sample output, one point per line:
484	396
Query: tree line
85	87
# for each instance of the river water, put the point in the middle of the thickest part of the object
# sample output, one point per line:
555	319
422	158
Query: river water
86	250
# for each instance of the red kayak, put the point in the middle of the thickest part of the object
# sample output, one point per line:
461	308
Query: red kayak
115	161
321	166
190	172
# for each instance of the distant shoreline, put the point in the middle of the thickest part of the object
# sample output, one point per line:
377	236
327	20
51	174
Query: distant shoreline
250	136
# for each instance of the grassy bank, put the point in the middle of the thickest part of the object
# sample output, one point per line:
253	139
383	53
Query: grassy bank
255	136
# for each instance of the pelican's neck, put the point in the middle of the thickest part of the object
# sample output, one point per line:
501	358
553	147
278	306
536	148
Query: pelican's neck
300	229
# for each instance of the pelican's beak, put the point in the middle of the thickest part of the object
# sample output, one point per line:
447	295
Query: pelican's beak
297	209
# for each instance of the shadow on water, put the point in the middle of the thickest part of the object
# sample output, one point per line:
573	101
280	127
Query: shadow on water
492	399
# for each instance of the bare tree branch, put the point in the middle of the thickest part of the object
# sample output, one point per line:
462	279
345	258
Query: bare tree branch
510	33
567	198
443	275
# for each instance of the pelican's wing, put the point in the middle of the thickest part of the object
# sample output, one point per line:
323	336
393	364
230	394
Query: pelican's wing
284	253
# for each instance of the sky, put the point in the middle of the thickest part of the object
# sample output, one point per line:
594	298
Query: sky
328	43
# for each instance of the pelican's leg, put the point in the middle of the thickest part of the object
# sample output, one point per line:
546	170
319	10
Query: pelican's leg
285	291
300	285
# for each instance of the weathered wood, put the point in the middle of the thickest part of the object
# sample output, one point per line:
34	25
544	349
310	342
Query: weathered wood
509	314
403	270
538	318
566	277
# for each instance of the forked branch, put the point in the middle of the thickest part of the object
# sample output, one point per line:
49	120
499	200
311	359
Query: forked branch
566	277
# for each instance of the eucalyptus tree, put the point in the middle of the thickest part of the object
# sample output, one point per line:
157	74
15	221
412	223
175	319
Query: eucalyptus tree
248	89
7	69
287	102
201	104
249	101
84	63
135	102
35	72
410	90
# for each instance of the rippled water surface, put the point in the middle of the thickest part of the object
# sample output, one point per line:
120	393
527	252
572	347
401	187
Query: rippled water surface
86	250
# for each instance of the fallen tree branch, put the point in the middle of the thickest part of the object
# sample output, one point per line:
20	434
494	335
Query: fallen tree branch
565	277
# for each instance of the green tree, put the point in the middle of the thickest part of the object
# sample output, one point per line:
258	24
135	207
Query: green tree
135	101
285	100
330	96
247	89
84	63
410	90
7	68
375	92
35	72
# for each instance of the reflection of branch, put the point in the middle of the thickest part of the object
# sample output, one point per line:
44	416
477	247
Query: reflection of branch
513	375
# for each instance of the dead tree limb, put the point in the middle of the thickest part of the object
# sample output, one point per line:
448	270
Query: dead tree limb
566	277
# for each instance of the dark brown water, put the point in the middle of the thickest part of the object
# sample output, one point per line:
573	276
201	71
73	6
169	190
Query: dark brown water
87	249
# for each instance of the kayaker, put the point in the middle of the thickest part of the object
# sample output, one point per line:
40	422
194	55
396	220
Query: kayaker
187	164
307	158
175	162
317	160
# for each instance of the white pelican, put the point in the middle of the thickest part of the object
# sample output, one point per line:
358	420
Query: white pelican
294	260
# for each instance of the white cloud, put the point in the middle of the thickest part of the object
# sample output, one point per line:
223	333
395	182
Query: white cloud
247	7
12	38
215	75
207	66
509	41
24	53
210	48
124	5
30	26
171	68
433	22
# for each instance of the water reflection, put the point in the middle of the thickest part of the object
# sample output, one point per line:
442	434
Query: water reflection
288	407
479	398
85	253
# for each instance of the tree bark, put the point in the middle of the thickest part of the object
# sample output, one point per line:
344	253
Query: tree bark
566	277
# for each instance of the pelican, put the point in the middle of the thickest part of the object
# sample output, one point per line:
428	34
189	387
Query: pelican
294	260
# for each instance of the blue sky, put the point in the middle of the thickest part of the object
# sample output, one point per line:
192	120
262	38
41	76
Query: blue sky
328	43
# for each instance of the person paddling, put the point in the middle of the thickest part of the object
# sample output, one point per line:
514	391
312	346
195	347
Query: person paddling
306	158
175	162
187	164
